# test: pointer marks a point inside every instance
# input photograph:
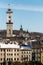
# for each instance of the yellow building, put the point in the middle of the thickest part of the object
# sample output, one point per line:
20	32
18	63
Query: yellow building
9	52
13	52
42	55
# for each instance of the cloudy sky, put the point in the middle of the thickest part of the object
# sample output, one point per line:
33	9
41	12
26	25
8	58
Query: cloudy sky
28	13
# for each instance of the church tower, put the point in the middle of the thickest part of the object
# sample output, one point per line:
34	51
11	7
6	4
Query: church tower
9	23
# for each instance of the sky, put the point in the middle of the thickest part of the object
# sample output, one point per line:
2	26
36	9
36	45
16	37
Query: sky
28	13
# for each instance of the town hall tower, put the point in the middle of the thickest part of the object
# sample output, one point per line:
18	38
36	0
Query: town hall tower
9	23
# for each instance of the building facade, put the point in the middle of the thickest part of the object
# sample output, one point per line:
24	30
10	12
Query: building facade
26	55
13	52
36	51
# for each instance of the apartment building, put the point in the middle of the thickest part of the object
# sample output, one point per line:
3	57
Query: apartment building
13	52
9	52
26	53
36	51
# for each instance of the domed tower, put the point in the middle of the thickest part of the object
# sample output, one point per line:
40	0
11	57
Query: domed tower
9	23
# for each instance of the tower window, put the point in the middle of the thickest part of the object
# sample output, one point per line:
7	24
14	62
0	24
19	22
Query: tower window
9	16
14	58
1	59
9	21
17	58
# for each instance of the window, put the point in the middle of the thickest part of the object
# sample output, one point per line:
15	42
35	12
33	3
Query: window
1	59
17	49
22	55
14	58
4	50
29	55
22	52
18	54
27	52
11	43
17	58
1	53
38	55
15	54
9	16
11	54
1	50
7	58
7	49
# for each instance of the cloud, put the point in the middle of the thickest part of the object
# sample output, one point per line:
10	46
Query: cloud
28	8
3	6
23	7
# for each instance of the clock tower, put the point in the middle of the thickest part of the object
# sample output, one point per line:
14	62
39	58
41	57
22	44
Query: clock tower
9	23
